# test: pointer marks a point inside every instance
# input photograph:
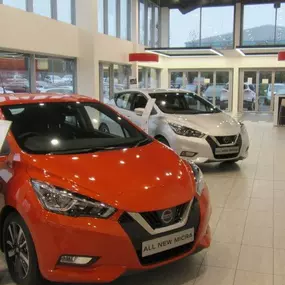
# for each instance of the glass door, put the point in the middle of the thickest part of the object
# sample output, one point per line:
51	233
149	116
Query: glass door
208	86
278	87
223	90
249	89
192	81
105	78
264	92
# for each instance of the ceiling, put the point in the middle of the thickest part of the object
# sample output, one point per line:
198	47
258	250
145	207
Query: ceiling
186	6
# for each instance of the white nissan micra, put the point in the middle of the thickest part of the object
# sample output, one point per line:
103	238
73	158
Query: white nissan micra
190	125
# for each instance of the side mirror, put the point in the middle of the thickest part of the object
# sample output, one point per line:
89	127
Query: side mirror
139	111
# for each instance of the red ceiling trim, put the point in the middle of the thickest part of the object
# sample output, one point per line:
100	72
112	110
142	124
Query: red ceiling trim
143	57
281	55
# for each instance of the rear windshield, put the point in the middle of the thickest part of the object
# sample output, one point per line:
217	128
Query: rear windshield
183	103
70	127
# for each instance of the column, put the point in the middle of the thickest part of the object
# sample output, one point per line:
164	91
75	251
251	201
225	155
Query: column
237	24
87	68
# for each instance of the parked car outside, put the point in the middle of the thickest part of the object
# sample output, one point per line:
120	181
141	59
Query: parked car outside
189	124
53	79
61	89
79	202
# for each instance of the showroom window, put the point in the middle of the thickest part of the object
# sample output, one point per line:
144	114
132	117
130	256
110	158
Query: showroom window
263	24
113	78
21	4
213	85
203	27
54	75
149	77
114	18
62	10
149	23
14	73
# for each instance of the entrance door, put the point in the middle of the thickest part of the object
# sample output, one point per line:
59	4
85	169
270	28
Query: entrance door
265	90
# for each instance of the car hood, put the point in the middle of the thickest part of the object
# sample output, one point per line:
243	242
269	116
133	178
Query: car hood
139	179
219	124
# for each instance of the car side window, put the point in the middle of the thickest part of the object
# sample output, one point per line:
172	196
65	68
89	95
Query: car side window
123	101
139	101
5	150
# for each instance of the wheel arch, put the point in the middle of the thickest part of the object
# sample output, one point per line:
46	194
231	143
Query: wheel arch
6	211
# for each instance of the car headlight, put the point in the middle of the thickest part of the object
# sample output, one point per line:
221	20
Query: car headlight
199	178
63	202
242	126
185	131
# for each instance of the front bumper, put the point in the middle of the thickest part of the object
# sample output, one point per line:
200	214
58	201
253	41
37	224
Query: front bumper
56	235
203	149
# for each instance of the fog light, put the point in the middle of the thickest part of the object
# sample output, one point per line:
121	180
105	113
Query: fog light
76	260
188	153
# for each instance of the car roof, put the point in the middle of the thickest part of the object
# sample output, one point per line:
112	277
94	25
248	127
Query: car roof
154	90
28	98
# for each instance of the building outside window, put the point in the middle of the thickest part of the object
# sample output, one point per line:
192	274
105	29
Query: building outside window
114	18
42	8
54	75
21	4
203	27
149	17
149	77
64	11
263	24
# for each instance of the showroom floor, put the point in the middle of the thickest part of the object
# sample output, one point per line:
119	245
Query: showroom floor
247	223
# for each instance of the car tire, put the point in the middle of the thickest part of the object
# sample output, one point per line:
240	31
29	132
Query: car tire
163	140
104	128
20	252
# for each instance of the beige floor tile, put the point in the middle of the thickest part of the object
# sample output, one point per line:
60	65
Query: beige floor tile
228	234
260	219
218	200
233	217
215	276
216	213
263	184
256	259
252	278
222	255
237	202
279	185
262	193
279	280
279	221
279	261
279	175
279	238
263	205
258	236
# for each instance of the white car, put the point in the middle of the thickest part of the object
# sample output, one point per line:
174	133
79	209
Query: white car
53	79
61	90
186	122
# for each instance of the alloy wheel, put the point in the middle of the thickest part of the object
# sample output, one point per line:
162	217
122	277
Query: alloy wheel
17	251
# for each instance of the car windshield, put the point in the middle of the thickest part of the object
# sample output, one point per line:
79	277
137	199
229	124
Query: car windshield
183	103
70	127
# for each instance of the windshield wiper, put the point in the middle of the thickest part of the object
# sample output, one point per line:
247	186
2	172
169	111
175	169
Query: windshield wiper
83	150
143	142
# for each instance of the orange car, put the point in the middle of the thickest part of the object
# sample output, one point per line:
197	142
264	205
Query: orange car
85	205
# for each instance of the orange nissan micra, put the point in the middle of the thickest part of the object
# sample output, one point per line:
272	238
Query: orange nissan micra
86	204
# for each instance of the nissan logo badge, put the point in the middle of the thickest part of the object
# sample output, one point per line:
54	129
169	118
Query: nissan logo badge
167	216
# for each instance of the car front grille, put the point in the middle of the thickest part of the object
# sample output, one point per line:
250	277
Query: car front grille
154	218
213	146
138	235
226	140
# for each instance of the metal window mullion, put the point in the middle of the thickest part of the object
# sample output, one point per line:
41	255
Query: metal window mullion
129	20
215	84
200	28
146	3
111	81
53	7
257	91
152	37
118	18
73	12
199	83
101	82
272	90
230	102
105	17
33	77
29	5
